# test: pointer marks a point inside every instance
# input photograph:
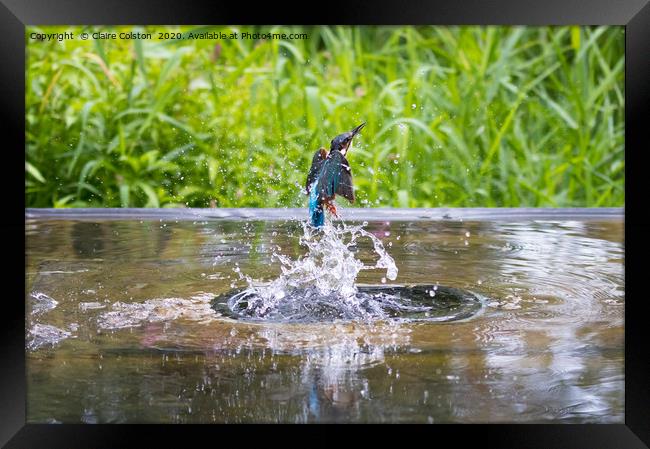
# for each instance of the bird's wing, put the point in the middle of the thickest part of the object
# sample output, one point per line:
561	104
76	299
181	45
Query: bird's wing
335	178
316	165
328	178
345	187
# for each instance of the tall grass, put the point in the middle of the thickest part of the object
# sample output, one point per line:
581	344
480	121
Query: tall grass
456	116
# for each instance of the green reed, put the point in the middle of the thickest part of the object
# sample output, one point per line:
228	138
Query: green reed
456	116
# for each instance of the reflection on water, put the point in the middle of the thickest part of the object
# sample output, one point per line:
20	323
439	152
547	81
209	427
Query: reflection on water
120	326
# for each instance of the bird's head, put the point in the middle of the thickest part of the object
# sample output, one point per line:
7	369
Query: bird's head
342	141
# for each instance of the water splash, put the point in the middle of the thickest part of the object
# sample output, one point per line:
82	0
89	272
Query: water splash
321	286
123	314
42	303
45	335
330	264
324	278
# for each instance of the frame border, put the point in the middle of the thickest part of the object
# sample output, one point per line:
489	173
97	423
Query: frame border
634	14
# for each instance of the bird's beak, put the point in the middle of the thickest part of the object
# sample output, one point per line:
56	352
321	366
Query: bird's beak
356	130
353	133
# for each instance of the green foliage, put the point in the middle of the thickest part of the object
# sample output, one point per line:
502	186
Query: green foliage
456	116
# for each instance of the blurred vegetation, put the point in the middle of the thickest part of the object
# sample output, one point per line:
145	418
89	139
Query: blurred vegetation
456	116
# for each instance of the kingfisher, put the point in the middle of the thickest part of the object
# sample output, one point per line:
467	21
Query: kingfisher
329	175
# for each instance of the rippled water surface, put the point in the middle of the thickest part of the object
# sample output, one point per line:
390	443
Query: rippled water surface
123	324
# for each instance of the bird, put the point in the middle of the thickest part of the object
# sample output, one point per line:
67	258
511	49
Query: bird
330	175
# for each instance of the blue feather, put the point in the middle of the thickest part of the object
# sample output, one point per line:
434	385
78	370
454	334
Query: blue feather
316	213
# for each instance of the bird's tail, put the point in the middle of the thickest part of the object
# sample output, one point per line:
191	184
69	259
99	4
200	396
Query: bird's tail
317	216
316	212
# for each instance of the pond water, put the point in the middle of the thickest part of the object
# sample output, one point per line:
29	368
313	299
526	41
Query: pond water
493	316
